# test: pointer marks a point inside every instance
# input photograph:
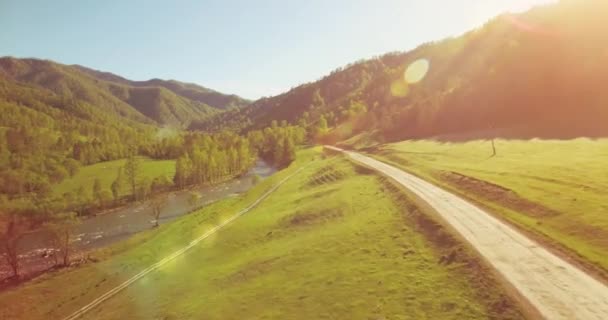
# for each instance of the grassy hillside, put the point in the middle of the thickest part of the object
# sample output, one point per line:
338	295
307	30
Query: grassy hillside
333	242
107	172
535	74
555	189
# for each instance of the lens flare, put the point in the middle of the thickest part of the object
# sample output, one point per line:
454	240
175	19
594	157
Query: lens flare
416	71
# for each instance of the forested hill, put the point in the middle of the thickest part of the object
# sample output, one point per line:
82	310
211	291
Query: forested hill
191	91
56	118
156	102
538	74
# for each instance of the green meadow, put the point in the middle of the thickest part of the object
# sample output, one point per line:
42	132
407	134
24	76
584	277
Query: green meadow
334	242
554	189
107	172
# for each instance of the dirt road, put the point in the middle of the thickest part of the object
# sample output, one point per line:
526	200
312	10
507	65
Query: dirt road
557	289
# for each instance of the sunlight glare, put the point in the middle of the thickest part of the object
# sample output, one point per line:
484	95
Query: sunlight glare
399	88
416	71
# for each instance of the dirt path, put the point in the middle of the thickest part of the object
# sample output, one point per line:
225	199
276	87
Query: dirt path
557	289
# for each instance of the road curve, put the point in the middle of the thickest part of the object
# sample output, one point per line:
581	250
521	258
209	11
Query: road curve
556	288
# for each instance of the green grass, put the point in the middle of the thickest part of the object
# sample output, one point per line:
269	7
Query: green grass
556	189
106	172
334	242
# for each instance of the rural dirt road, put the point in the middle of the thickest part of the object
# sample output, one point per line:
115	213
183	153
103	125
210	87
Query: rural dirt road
556	288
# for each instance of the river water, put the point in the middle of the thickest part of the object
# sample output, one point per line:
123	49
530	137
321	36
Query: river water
111	226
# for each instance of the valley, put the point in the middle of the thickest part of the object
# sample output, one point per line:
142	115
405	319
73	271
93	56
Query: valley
113	225
343	250
462	178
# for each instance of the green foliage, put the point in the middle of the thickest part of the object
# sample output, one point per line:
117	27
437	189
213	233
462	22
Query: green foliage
183	171
57	118
97	189
157	204
322	126
209	158
117	185
277	145
132	172
144	188
344	250
113	182
105	198
194	199
162	183
153	101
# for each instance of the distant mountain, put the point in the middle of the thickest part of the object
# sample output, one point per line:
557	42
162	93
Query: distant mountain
188	90
542	73
55	118
156	102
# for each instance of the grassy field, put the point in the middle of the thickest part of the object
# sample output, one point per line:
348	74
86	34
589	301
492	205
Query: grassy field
334	242
556	189
107	172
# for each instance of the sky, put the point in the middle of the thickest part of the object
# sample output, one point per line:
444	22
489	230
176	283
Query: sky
250	48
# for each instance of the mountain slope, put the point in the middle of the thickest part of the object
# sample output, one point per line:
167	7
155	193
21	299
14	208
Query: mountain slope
152	102
57	117
536	74
187	90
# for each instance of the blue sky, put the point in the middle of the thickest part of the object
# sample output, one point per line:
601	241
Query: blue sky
251	48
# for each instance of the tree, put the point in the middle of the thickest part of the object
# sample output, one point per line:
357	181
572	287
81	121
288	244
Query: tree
117	185
144	190
161	183
322	125
97	191
277	154
72	166
14	224
105	198
492	140
62	229
83	199
116	189
132	172
317	99
289	151
183	170
193	199
157	205
9	240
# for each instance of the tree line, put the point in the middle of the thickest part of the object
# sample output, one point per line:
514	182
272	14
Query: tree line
201	158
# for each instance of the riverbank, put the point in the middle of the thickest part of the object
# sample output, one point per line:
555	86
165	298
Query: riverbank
103	229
